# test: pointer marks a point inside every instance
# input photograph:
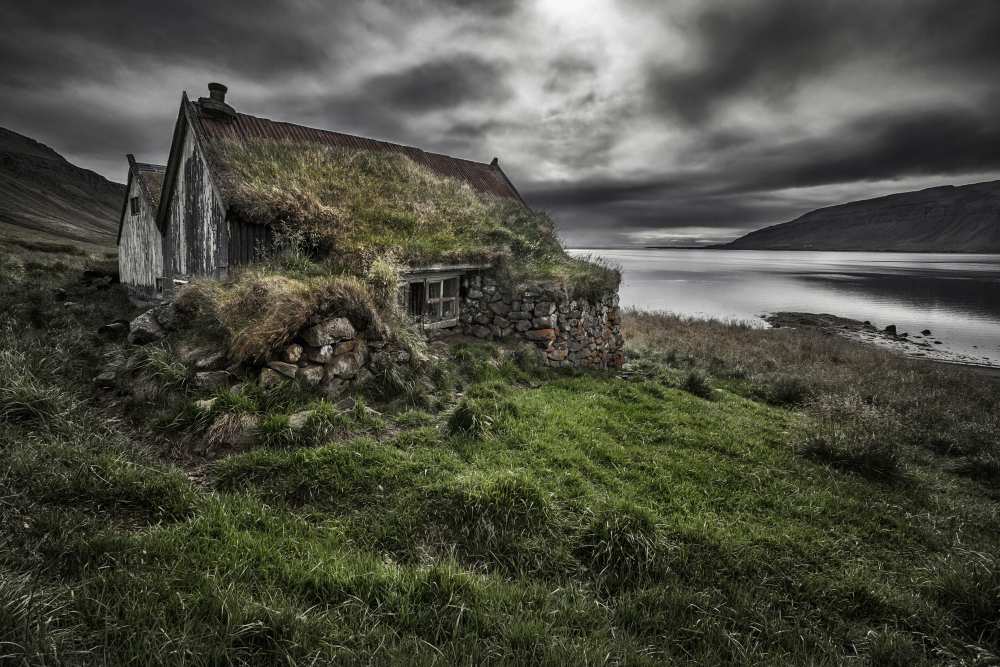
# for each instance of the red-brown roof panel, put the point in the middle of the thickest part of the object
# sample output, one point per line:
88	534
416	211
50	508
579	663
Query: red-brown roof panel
484	178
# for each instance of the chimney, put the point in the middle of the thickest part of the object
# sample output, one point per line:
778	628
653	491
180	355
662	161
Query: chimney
217	92
215	105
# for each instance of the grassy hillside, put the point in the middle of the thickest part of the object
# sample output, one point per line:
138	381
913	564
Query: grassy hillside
943	219
44	198
735	496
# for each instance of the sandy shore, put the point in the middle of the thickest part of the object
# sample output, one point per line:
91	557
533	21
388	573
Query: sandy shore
918	346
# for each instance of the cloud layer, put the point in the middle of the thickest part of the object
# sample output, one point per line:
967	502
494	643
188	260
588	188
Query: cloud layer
633	122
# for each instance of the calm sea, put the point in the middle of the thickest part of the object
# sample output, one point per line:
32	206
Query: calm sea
957	297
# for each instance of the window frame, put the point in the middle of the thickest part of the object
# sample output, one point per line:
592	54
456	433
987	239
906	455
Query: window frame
433	309
134	205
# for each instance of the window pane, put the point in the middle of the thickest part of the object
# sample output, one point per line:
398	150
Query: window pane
448	310
451	287
416	299
434	290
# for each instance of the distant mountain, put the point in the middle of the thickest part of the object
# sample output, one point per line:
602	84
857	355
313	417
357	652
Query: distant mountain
942	219
43	196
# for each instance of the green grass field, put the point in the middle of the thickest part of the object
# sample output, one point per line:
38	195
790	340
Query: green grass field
735	497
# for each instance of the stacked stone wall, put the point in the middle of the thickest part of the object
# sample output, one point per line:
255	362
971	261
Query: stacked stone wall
568	330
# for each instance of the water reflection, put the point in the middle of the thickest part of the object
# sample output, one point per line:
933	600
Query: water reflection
955	296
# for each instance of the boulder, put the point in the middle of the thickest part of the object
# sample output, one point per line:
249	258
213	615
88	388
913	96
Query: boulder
344	365
345	347
500	308
319	355
114	330
544	308
209	380
292	353
333	387
557	354
206	404
145	329
311	375
298	421
523	325
541	334
926	332
329	331
481	332
288	370
548	322
234	429
105	380
891	329
270	377
166	315
210	360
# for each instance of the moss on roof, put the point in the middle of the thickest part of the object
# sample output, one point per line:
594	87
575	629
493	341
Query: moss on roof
352	206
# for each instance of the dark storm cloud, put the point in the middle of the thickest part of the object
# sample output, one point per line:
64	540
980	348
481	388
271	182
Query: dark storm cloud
950	140
768	49
65	40
626	120
439	84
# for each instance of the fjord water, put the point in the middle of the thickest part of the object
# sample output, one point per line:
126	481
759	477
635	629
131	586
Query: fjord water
956	296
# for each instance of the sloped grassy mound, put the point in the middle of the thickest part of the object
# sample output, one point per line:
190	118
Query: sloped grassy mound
352	206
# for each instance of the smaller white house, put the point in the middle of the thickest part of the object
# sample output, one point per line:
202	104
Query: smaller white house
140	248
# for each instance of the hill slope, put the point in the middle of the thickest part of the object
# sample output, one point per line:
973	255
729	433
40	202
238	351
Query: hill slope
44	196
941	219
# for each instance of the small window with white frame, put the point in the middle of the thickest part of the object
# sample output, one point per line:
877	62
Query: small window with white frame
432	299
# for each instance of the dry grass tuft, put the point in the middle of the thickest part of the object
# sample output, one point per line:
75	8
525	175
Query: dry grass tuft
260	311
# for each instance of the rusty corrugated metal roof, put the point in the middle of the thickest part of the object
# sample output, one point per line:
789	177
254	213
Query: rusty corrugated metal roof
151	180
487	179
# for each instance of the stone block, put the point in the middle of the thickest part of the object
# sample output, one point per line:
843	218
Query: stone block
293	353
269	378
344	365
541	334
328	332
500	307
208	380
288	370
311	375
319	355
544	308
145	329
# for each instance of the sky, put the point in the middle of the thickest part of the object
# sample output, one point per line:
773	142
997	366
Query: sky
632	122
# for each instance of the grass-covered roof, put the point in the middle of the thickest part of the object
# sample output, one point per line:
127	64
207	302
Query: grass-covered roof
351	206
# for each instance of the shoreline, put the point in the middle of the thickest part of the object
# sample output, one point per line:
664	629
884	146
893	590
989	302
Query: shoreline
917	346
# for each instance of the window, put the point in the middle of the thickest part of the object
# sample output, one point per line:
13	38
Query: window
134	203
432	299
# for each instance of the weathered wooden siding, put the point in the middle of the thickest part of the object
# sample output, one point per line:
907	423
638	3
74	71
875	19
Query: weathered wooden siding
196	238
140	252
246	241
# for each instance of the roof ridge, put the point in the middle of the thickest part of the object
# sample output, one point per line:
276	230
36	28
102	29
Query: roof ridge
358	136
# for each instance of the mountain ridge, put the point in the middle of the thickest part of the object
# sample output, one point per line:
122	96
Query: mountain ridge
43	195
944	218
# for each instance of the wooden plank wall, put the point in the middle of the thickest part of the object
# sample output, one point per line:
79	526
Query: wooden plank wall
196	238
140	251
247	241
